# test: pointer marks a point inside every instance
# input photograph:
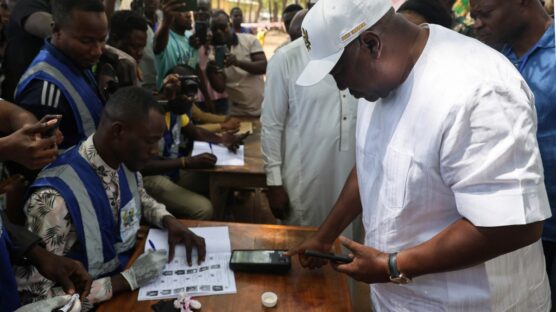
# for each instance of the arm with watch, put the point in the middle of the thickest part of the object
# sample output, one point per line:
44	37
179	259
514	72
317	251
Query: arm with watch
458	246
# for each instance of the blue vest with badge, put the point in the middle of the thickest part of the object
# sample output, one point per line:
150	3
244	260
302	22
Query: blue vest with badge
9	298
103	245
77	86
172	142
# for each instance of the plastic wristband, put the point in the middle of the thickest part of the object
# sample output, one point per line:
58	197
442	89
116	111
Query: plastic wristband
129	276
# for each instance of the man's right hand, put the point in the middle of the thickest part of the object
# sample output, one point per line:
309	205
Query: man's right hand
313	243
170	9
231	124
201	161
27	146
279	201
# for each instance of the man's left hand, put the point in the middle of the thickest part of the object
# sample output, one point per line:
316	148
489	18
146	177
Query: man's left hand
180	234
230	60
369	265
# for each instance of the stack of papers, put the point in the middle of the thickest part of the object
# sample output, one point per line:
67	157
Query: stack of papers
224	156
212	277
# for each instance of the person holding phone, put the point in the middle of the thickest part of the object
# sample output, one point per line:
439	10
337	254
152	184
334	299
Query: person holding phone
32	144
244	67
448	176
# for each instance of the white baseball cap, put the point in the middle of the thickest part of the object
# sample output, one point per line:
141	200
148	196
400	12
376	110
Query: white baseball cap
331	25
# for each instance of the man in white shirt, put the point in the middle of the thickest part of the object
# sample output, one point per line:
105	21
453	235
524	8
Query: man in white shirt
448	173
307	139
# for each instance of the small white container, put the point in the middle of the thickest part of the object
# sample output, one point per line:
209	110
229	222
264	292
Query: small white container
269	299
195	304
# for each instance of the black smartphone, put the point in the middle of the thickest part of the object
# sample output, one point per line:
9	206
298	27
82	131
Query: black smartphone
201	28
47	118
328	256
220	55
188	5
260	261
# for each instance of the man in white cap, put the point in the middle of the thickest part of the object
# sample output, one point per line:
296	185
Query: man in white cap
448	174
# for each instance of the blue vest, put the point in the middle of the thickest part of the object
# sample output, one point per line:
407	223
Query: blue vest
9	298
172	142
51	65
103	246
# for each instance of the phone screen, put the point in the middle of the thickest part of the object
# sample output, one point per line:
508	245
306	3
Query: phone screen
220	55
252	256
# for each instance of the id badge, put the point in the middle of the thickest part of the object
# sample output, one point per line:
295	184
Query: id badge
129	221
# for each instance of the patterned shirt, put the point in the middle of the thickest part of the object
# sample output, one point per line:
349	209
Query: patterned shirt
48	217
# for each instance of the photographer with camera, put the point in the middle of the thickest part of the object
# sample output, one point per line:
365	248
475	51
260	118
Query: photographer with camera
166	179
239	66
210	100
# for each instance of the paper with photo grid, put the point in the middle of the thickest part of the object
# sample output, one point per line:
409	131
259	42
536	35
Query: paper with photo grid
224	156
212	277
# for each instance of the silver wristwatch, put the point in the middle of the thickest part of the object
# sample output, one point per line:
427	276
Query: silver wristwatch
396	276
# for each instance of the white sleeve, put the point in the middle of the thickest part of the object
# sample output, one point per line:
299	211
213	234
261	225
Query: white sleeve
273	118
490	158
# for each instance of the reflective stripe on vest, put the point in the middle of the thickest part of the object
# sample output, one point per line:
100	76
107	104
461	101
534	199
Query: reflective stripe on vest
91	230
87	125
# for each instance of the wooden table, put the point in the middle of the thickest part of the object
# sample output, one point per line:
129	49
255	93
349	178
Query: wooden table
251	175
300	290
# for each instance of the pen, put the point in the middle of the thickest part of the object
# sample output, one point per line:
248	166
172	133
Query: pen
152	245
211	151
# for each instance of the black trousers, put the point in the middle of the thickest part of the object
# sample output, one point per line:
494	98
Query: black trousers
550	255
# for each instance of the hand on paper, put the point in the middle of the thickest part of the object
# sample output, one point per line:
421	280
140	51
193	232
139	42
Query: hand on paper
180	234
232	142
201	161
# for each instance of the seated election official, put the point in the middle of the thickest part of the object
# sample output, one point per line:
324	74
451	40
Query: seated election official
28	144
168	180
448	175
92	199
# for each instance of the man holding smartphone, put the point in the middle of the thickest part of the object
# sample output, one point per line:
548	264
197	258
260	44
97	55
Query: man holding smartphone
449	181
32	144
244	67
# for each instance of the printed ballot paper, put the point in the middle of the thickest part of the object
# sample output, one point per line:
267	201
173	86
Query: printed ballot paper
211	277
224	156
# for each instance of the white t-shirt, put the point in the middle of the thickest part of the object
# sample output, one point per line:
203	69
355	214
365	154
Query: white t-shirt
245	90
455	140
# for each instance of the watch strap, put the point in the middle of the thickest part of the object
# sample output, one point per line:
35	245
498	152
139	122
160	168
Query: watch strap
393	265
